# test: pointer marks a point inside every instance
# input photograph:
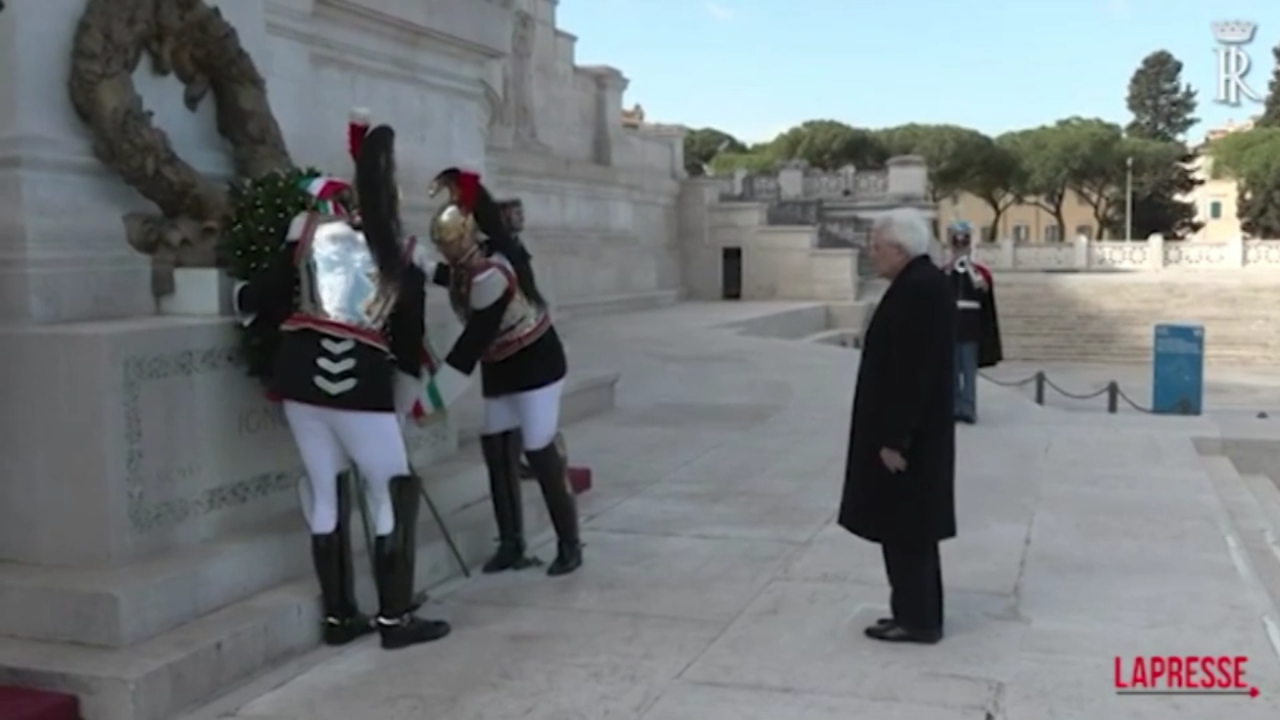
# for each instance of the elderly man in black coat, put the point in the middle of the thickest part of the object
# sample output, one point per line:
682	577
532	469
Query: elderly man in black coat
899	488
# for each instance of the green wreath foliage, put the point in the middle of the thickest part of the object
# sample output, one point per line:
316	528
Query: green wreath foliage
260	210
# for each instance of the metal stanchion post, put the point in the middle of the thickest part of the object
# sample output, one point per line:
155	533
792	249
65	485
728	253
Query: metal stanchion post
1113	397
1040	378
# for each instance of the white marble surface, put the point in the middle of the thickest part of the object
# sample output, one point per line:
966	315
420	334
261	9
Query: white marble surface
715	586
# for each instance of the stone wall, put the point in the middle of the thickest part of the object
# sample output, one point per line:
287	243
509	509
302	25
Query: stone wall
1153	254
599	197
779	262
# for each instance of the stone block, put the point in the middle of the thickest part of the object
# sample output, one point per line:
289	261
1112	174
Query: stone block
202	292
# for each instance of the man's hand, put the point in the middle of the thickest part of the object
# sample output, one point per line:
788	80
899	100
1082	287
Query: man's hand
893	460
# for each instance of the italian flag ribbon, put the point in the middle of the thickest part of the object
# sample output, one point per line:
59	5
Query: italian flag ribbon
431	402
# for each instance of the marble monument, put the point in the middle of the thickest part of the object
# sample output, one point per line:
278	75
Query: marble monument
148	524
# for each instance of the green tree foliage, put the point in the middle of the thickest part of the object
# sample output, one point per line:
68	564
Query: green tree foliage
1046	168
727	163
258	220
1163	107
993	179
829	145
1163	111
1096	162
701	147
1252	158
951	153
1271	108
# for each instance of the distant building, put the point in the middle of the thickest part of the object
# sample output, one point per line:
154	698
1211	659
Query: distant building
1215	199
1023	222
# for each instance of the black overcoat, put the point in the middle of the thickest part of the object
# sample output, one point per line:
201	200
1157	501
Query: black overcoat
905	400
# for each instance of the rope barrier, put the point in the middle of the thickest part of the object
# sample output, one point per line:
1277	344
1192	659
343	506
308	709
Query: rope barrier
1112	390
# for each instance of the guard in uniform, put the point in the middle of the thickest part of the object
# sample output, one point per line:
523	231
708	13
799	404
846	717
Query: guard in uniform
352	330
508	332
978	332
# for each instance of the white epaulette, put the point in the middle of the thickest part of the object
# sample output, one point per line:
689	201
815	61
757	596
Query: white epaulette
301	224
488	287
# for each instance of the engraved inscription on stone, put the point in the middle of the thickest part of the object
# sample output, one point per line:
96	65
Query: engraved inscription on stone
199	438
267	418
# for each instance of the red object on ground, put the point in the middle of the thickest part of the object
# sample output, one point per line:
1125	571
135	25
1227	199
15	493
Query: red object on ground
579	479
28	704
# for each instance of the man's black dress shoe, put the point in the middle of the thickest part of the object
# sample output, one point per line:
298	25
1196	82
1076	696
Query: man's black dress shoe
894	633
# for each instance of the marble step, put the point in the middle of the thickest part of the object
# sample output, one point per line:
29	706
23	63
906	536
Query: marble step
631	302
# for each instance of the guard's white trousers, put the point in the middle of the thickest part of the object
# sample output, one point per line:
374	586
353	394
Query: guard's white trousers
329	440
535	413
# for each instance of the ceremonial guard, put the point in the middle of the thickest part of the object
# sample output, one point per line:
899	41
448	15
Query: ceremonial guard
978	331
350	310
507	331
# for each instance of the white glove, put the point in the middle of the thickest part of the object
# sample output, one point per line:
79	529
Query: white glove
242	317
408	393
450	383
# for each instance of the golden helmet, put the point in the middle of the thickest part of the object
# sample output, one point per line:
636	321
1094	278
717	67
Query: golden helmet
453	230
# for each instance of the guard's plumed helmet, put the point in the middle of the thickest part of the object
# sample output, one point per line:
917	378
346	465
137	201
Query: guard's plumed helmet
960	234
453	228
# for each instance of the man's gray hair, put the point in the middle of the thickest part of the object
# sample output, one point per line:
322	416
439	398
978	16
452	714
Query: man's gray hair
907	228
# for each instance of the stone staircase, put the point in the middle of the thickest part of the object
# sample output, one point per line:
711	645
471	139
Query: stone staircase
1109	317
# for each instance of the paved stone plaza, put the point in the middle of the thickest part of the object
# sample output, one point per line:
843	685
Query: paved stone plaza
716	585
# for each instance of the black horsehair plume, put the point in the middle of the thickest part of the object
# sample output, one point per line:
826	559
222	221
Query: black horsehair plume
380	201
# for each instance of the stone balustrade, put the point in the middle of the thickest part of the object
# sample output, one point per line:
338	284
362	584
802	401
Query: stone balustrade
1154	254
796	181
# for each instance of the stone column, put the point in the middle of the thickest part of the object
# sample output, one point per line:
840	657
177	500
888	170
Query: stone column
1009	253
1155	251
1082	252
610	85
1234	252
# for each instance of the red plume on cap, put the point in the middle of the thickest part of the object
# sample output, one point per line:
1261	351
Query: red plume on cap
357	128
468	188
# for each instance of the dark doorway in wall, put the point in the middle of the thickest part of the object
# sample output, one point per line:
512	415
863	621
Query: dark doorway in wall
731	273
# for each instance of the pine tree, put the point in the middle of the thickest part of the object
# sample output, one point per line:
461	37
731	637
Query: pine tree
1163	111
260	212
1258	201
1271	107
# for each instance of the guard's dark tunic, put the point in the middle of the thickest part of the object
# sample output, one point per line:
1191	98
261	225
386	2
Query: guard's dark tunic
327	364
905	400
514	357
976	308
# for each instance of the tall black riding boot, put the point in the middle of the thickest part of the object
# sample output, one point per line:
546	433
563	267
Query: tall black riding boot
331	554
394	557
502	458
549	467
